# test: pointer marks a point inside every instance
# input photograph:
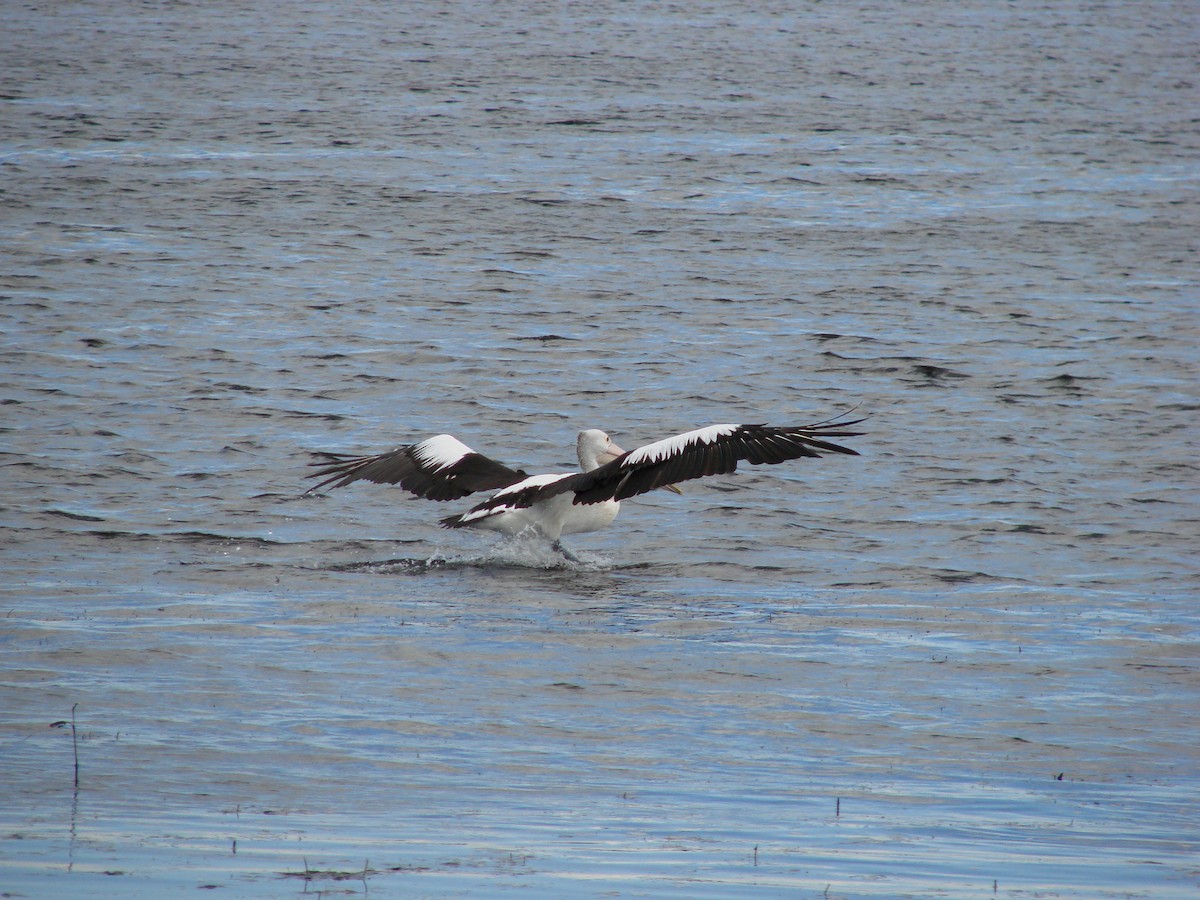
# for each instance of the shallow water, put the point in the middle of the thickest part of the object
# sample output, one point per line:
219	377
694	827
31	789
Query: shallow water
964	664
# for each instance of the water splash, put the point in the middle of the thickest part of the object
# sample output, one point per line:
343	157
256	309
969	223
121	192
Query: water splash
520	552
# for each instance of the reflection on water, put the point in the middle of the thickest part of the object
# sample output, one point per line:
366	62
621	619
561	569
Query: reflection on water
963	664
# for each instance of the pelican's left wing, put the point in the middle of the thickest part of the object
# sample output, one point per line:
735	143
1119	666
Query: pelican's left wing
715	450
440	468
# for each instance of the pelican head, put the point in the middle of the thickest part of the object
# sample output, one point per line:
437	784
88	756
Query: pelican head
595	449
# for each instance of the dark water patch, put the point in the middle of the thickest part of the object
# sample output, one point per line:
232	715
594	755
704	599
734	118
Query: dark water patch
951	576
1071	383
937	373
157	538
1029	529
78	517
241	388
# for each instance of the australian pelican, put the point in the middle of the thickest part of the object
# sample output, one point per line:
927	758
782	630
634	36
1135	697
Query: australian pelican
444	468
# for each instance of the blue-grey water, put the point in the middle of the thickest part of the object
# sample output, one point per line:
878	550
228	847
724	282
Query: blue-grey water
963	664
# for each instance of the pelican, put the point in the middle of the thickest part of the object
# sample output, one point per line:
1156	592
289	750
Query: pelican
444	468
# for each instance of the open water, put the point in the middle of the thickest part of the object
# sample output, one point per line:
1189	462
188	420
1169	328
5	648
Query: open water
964	664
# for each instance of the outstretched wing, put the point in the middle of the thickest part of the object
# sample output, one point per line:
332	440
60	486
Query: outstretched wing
440	468
715	450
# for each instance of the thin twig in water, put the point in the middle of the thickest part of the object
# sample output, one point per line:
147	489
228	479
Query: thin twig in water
74	741
75	744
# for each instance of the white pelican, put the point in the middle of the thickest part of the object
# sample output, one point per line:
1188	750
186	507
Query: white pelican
444	468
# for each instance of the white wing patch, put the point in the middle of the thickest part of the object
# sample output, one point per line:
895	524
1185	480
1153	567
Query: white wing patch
531	482
440	452
494	505
673	446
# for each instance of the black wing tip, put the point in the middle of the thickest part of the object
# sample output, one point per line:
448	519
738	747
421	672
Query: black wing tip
836	427
805	440
331	466
836	424
838	448
832	426
818	439
334	476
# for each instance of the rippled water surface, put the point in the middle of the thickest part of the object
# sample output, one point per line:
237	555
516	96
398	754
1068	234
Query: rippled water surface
962	664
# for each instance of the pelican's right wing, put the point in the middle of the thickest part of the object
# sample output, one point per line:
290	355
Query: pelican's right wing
715	450
440	468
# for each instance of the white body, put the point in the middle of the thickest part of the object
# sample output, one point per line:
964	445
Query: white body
553	518
557	515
